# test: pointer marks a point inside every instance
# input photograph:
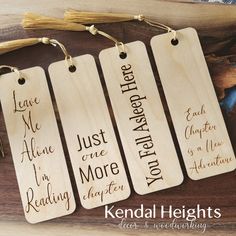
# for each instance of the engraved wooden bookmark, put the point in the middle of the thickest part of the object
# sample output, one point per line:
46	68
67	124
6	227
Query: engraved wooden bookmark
36	147
93	149
193	105
145	135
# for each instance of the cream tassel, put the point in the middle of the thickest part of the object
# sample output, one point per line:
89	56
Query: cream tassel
34	21
101	17
95	17
21	43
16	44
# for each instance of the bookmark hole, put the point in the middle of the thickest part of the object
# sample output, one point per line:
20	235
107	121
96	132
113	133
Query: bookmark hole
174	42
21	81
72	68
123	55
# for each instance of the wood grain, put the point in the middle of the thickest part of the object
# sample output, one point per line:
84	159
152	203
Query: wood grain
218	45
67	229
194	109
140	118
197	15
46	192
90	137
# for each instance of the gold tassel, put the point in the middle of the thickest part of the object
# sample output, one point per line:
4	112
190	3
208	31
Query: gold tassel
34	21
16	44
21	43
96	17
102	17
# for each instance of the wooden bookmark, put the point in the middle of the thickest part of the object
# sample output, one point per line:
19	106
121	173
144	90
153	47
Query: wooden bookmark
145	135
193	104
36	147
93	149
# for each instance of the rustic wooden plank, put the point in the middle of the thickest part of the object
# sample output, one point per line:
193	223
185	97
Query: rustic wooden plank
74	229
188	193
198	15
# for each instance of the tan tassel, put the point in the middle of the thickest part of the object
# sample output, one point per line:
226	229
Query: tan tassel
96	17
34	21
16	44
102	17
21	43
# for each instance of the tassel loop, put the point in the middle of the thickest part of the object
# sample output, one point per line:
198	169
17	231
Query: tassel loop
174	34
18	72
12	69
54	42
121	49
119	45
139	17
91	29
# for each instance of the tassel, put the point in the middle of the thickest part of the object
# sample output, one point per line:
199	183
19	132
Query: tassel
34	21
16	44
21	43
96	17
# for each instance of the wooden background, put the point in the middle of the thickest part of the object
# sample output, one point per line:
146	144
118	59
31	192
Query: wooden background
216	25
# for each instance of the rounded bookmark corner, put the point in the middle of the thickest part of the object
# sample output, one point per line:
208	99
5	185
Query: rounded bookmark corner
73	208
181	179
193	30
30	220
193	177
